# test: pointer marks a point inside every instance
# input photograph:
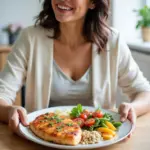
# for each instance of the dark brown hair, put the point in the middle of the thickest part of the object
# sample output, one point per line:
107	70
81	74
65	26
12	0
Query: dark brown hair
95	25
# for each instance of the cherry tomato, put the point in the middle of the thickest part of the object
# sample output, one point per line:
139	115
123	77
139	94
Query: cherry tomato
97	114
89	122
79	121
86	112
83	116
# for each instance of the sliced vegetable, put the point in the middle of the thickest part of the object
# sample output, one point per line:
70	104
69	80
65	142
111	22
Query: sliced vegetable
104	125
97	114
97	120
117	124
110	125
89	122
94	126
85	111
107	136
106	130
79	121
83	116
108	117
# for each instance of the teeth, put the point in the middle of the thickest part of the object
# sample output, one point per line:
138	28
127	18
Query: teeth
64	7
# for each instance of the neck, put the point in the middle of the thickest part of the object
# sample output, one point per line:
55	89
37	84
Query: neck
72	33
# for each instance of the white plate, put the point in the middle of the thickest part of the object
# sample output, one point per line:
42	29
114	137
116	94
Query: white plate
123	132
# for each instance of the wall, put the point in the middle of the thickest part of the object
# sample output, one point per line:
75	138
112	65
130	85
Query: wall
22	11
124	19
148	2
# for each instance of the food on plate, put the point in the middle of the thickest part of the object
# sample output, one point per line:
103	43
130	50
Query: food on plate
57	129
95	121
90	137
75	126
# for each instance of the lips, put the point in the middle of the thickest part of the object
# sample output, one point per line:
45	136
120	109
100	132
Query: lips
64	7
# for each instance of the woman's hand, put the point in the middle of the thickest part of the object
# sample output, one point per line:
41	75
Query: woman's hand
16	115
127	111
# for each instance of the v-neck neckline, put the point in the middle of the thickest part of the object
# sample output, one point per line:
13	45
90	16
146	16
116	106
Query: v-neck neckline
69	78
66	76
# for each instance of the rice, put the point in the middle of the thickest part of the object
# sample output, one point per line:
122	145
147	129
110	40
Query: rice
90	137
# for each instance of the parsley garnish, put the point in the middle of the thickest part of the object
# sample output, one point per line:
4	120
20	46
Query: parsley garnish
58	120
69	124
76	111
59	128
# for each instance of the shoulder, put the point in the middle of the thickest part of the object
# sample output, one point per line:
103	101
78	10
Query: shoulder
113	38
36	32
117	41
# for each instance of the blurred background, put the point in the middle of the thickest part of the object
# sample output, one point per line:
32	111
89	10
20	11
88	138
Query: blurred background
130	17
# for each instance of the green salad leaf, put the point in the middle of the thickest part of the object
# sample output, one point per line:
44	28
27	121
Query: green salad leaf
76	111
99	122
108	117
117	124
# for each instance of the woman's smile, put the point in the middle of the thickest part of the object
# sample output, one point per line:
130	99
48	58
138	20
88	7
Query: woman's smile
64	8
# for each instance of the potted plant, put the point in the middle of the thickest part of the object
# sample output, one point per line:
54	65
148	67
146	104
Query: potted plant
13	31
144	22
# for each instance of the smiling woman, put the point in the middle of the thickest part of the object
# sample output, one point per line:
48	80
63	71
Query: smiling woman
93	14
71	56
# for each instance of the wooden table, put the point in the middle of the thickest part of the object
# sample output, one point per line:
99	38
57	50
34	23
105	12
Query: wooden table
139	141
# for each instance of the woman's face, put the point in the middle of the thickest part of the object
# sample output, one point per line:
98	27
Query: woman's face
70	10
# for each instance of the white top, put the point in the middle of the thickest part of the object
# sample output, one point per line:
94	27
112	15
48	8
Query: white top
31	63
66	91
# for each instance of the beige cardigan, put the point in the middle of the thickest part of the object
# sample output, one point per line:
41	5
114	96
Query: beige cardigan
30	63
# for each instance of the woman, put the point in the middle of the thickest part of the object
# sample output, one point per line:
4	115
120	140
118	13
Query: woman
71	57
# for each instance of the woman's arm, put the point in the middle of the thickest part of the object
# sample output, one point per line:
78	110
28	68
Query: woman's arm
132	81
141	103
4	110
13	115
133	84
12	78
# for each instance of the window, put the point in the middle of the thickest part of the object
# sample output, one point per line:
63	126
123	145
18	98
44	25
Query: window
148	2
124	19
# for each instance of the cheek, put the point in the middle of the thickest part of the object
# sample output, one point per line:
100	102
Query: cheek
82	11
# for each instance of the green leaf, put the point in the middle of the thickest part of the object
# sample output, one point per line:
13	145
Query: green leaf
76	111
79	107
117	124
108	117
144	14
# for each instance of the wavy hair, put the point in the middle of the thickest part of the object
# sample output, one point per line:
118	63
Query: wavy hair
95	27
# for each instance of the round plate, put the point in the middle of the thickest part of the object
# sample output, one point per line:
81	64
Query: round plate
123	132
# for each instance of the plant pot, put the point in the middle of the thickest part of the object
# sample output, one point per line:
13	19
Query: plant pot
12	37
146	34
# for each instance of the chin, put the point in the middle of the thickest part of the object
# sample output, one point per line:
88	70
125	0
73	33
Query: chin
63	20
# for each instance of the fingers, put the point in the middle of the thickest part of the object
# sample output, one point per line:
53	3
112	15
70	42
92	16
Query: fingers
124	110
133	129
132	116
127	112
23	116
17	115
